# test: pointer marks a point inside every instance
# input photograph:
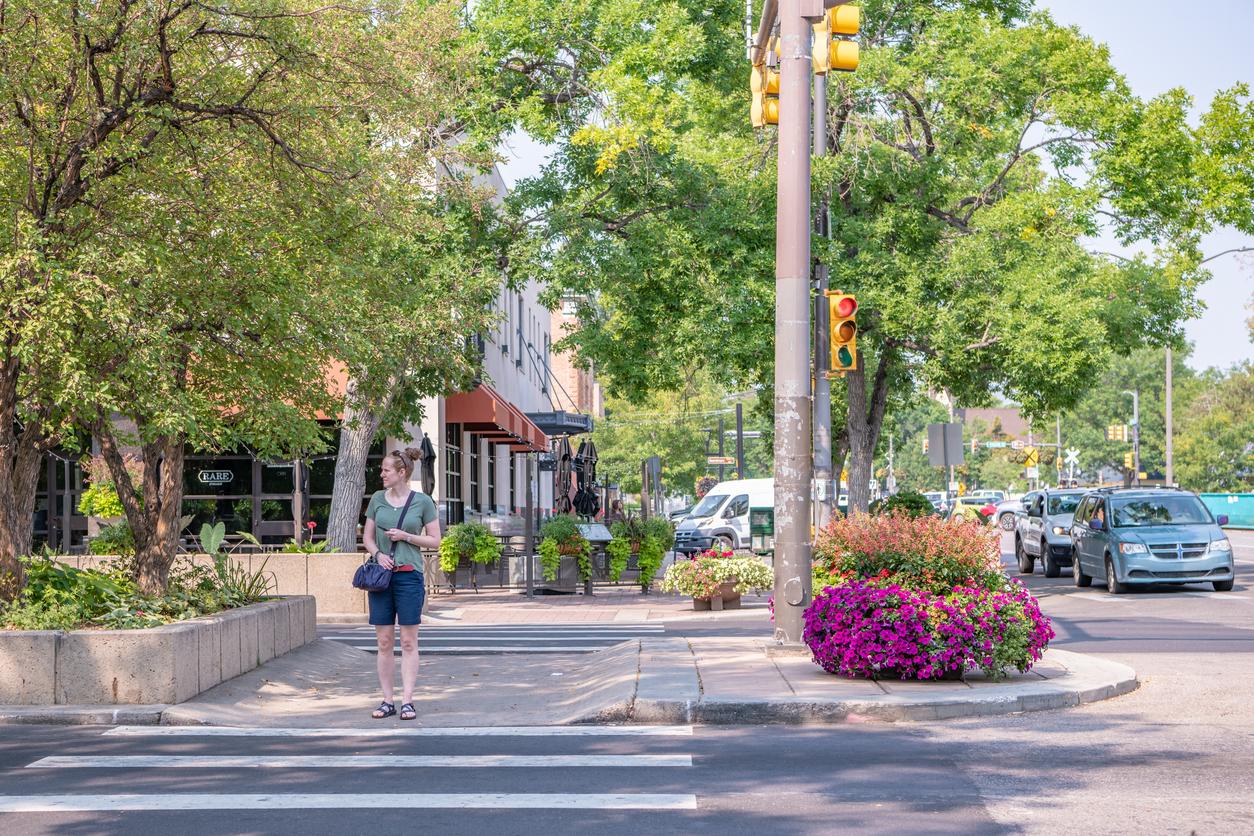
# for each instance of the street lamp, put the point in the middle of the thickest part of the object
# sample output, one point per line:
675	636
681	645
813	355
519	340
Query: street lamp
1136	435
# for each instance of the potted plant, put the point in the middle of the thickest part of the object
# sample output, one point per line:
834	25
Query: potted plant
471	541
717	578
560	536
646	540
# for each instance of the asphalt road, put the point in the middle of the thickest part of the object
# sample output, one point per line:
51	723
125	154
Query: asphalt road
1176	756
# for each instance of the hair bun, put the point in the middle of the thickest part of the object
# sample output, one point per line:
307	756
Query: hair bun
413	454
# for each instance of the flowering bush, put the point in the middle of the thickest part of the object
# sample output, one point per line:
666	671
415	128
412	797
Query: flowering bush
878	628
703	574
919	552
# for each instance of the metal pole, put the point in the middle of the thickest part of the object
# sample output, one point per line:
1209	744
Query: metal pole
822	337
529	533
1058	446
720	447
1171	465
740	441
793	464
1136	438
644	489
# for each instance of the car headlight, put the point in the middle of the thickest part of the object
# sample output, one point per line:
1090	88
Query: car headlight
1132	548
1223	546
1058	529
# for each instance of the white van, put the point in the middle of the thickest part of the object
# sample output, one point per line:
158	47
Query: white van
722	515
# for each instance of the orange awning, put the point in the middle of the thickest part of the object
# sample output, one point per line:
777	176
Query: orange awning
484	412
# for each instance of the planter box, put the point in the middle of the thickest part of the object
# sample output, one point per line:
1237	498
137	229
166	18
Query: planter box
168	664
726	599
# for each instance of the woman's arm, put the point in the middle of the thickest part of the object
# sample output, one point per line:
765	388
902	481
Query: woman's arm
428	538
372	546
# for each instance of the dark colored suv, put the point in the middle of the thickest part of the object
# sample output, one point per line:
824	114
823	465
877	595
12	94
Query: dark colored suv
1142	536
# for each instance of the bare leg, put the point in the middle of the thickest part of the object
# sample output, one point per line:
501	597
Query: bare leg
409	661
386	661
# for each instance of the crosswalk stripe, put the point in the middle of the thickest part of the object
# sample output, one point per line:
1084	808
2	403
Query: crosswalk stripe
397	731
502	648
352	761
343	801
512	630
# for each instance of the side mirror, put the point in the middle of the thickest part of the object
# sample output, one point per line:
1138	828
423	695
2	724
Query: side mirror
1222	519
1096	524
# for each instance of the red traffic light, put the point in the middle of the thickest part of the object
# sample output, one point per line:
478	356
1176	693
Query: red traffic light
846	306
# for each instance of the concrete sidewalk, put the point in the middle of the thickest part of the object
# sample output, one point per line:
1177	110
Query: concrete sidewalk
712	680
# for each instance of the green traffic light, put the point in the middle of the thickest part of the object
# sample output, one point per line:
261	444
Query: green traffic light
845	356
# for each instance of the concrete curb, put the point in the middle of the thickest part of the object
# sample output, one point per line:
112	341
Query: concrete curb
81	715
666	696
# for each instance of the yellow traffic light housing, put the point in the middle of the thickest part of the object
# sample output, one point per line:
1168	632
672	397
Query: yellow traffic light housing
1127	460
831	50
764	85
843	310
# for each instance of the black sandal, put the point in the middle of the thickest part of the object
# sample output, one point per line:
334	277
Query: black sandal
408	712
385	709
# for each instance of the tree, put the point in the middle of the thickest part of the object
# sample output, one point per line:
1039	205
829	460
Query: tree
1215	448
184	180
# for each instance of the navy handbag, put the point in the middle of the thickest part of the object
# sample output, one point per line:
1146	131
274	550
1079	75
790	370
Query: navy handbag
370	575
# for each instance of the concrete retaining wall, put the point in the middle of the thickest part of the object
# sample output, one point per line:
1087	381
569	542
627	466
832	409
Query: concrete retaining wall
169	664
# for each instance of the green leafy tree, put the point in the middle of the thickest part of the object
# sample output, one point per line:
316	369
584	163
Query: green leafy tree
1215	447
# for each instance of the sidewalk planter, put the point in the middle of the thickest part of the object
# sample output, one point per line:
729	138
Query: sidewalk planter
167	664
716	578
727	598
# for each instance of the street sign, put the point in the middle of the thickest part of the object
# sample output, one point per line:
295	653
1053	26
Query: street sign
1016	445
720	459
1034	473
953	486
1072	456
993	445
944	445
1032	457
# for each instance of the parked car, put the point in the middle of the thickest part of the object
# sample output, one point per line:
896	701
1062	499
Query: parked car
677	516
989	493
1007	510
1139	536
936	498
1043	532
722	515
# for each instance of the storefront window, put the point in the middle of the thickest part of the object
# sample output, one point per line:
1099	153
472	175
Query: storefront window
453	498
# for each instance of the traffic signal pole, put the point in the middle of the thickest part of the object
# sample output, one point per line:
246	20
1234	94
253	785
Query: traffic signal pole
793	463
823	467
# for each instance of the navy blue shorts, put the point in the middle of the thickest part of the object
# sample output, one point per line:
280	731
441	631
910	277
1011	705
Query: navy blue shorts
401	602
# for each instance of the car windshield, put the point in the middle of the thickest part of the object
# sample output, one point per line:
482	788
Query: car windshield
709	505
1064	503
1155	510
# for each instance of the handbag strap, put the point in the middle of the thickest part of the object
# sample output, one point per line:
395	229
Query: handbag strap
400	522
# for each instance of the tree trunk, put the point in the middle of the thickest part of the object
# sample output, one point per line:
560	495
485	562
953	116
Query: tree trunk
863	425
20	456
154	512
356	437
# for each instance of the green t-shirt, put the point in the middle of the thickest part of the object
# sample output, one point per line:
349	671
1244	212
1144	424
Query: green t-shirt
421	511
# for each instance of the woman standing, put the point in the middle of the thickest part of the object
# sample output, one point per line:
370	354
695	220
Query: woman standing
399	523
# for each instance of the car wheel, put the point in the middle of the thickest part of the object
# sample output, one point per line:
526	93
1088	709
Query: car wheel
1007	521
1048	565
1025	559
1222	586
1081	580
1113	586
724	542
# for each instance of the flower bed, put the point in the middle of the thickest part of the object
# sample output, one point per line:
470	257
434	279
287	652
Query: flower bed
918	598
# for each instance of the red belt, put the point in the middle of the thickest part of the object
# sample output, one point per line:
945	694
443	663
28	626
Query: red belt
408	567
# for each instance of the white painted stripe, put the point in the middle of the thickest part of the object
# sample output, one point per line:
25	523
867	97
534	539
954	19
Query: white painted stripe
344	801
502	648
398	731
563	628
352	761
530	634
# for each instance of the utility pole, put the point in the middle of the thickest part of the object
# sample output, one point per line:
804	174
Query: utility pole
720	447
793	462
824	493
1058	447
1136	435
1171	465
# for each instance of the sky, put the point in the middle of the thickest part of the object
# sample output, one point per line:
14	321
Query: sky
1203	46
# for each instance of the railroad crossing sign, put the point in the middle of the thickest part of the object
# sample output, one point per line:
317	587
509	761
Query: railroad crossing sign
1072	456
1031	457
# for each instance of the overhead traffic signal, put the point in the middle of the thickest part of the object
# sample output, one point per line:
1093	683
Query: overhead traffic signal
843	310
764	84
832	47
1117	432
1127	460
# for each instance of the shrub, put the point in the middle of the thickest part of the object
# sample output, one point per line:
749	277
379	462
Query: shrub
471	540
703	574
919	552
911	503
100	500
116	538
561	535
880	629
